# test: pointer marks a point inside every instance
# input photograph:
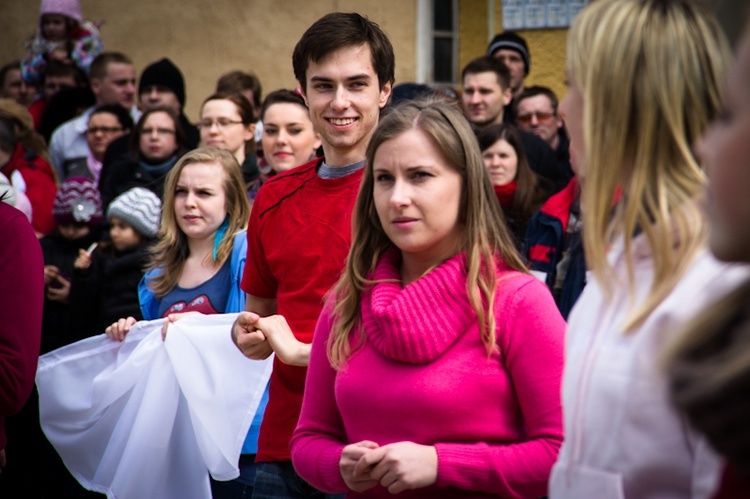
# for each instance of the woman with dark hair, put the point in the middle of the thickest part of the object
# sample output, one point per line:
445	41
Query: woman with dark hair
289	139
228	122
106	123
518	189
158	142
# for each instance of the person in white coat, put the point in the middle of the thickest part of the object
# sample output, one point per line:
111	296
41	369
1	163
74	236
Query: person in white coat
646	78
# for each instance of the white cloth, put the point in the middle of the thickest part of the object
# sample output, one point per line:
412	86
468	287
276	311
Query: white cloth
623	438
146	417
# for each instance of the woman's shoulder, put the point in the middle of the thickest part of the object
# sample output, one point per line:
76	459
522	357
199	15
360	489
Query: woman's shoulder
514	286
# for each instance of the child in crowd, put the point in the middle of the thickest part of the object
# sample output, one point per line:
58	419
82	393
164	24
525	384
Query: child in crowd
77	209
105	281
62	35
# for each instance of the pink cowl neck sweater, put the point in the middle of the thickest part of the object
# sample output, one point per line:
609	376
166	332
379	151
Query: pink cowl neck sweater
422	374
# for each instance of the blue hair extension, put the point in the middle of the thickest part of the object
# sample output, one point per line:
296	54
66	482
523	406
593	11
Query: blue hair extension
220	234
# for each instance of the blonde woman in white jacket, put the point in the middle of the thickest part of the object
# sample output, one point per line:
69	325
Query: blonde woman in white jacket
646	78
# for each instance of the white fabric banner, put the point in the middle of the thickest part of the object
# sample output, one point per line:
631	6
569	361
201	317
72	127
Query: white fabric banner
146	418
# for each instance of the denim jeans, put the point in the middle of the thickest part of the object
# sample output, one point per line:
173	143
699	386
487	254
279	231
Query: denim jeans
278	480
242	486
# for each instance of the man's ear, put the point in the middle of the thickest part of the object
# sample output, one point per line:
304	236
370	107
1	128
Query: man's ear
507	96
96	85
385	94
302	92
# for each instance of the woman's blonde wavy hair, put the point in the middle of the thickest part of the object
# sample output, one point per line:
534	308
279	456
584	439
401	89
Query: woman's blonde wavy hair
485	237
651	74
171	250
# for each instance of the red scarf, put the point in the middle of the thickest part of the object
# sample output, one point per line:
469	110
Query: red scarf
505	194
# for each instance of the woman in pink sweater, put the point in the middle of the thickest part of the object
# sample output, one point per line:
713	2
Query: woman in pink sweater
414	385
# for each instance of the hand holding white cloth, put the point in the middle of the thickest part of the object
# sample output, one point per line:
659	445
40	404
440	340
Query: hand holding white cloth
146	417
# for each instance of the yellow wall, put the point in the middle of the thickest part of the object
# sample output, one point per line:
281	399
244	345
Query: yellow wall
210	37
547	46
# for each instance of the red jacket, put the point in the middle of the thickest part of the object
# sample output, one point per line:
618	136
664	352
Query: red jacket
40	185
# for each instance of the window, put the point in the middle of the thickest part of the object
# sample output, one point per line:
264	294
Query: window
444	40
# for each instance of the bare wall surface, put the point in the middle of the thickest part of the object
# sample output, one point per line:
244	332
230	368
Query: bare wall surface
208	38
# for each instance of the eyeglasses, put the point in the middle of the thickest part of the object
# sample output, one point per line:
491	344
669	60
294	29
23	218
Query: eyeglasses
103	129
541	117
159	131
221	123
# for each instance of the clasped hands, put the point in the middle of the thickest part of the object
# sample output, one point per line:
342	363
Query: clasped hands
398	467
258	337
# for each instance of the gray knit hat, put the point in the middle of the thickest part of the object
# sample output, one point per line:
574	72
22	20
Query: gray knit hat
138	207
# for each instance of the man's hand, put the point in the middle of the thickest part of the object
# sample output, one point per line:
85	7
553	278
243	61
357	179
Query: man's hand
251	342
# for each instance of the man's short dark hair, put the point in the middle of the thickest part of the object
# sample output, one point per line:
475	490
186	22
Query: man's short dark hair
338	30
99	66
57	68
535	90
122	115
488	64
235	82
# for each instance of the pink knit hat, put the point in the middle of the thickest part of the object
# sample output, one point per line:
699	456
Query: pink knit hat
69	8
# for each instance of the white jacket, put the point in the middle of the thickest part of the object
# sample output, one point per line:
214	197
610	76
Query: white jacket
623	439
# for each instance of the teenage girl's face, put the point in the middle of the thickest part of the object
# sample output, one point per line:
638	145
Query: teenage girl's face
501	162
221	126
288	136
725	151
54	27
158	141
200	200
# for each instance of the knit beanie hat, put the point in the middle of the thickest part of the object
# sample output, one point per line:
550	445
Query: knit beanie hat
166	74
511	41
77	201
69	8
140	208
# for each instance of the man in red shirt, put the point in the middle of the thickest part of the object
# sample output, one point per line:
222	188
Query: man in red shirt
300	227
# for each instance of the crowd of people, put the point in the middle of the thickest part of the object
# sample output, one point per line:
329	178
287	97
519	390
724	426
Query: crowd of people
482	292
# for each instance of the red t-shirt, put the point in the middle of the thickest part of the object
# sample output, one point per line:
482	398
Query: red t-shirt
298	240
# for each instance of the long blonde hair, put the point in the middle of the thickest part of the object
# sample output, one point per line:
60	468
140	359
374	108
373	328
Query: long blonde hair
485	237
651	75
171	251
